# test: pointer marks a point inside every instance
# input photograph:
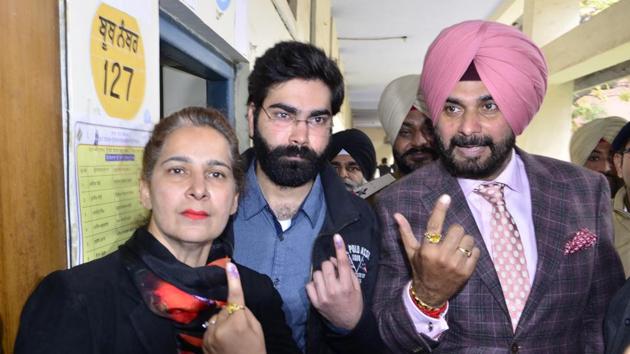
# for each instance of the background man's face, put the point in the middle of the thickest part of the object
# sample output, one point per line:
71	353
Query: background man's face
601	160
414	144
474	139
349	171
291	156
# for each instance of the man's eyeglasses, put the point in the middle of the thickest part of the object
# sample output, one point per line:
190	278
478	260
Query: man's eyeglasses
284	119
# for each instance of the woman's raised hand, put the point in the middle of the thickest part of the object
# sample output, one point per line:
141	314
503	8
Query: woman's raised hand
234	330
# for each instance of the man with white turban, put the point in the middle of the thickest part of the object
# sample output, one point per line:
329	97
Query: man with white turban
590	147
491	249
407	126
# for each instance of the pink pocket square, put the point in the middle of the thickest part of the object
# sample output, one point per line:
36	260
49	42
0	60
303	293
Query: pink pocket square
581	240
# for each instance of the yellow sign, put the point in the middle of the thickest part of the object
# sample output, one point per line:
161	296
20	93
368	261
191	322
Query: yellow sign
118	63
108	197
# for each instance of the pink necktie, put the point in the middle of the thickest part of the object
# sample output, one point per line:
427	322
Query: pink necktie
507	251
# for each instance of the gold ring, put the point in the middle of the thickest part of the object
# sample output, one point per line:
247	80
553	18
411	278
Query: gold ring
466	252
232	307
433	237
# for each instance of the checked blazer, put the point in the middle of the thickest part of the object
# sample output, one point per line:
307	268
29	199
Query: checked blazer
570	292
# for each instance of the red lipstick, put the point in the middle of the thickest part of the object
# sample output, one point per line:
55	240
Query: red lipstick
195	214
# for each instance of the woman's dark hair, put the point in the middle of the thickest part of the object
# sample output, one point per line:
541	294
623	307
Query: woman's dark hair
294	60
192	117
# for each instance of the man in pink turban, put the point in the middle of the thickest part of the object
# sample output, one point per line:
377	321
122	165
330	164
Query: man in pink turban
501	251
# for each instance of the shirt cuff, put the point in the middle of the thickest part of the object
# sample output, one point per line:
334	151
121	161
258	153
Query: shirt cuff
428	326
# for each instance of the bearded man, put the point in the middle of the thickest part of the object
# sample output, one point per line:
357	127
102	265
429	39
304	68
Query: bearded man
296	221
591	147
408	129
352	154
526	263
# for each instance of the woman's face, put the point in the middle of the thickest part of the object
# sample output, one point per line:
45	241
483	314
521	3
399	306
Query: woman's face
192	191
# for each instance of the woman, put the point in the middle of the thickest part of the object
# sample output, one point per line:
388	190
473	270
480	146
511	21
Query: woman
165	289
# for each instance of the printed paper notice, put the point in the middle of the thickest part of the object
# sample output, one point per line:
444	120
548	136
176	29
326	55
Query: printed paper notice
108	195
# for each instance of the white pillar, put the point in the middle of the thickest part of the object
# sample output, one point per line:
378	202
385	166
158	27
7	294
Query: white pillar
550	131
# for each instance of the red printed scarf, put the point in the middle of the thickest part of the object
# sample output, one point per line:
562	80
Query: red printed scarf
171	289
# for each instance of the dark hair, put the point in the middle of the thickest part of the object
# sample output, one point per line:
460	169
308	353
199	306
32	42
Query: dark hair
620	141
294	60
192	117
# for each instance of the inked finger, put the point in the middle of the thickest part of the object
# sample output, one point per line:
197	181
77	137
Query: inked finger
436	220
235	290
409	241
343	263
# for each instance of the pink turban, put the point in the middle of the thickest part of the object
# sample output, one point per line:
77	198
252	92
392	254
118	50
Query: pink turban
509	64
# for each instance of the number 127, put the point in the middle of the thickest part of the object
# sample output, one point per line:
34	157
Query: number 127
116	72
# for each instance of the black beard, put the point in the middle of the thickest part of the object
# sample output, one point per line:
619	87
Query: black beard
405	168
287	173
475	168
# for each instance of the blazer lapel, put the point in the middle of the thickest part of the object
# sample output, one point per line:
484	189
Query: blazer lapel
547	202
459	213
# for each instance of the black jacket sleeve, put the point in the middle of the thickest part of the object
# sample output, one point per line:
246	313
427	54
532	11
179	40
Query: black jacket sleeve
365	337
54	319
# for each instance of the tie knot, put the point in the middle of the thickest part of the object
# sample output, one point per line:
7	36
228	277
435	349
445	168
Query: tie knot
492	192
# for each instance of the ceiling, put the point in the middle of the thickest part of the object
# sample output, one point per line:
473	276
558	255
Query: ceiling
371	63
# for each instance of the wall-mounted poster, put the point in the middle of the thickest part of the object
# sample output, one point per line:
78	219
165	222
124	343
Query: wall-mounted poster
112	80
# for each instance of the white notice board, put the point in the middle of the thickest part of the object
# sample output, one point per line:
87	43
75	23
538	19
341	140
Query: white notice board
112	81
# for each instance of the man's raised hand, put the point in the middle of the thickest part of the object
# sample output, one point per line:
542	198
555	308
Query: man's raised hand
335	290
439	269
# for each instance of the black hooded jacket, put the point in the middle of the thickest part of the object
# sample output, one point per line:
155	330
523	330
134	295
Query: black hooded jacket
352	218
